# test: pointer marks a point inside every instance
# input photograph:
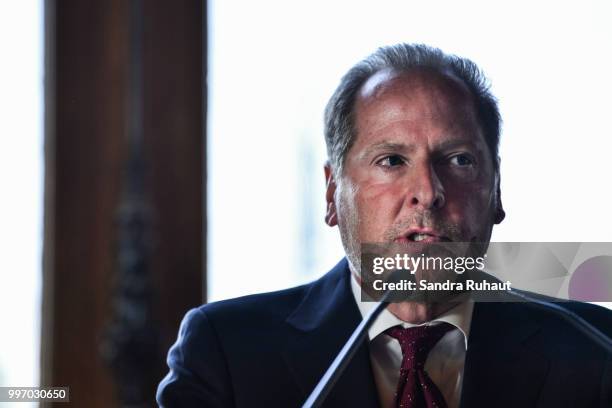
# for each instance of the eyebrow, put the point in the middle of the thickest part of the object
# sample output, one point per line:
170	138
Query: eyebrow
391	146
397	147
449	144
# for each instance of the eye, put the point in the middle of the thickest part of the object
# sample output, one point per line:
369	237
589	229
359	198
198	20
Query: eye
462	160
393	160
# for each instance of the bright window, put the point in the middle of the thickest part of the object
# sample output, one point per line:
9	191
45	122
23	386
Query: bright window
21	186
273	64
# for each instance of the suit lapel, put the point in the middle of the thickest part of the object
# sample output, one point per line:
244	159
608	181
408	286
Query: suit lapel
501	367
320	326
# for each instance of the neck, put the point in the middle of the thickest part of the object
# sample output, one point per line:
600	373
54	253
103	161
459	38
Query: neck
417	313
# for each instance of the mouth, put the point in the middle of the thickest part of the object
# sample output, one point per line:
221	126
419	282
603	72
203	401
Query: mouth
421	235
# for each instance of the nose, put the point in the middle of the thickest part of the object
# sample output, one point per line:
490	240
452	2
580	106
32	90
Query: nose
427	190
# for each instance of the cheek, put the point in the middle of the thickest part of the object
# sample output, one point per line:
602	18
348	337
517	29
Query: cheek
469	207
378	205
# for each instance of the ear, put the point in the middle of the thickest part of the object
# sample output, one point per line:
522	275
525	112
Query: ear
331	217
500	214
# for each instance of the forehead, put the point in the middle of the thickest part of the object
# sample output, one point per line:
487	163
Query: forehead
421	97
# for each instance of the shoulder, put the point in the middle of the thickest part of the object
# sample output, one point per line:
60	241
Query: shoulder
271	305
598	316
264	311
555	311
220	340
519	306
210	328
562	327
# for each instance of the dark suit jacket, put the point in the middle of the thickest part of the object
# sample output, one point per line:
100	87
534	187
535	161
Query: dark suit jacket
269	350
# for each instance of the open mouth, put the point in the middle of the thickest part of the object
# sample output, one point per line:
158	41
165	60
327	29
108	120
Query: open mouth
420	235
423	237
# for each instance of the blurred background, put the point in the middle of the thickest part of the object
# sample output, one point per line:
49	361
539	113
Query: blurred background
155	155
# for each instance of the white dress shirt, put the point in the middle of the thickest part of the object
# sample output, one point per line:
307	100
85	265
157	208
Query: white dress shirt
444	363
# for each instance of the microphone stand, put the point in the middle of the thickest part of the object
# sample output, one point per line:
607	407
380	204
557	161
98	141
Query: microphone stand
337	367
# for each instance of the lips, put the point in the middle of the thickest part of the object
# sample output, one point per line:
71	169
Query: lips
418	237
421	235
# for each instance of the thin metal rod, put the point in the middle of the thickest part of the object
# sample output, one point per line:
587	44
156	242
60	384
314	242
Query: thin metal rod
337	367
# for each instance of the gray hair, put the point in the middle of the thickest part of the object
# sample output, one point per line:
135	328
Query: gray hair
339	113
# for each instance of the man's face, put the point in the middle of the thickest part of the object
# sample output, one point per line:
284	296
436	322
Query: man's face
419	168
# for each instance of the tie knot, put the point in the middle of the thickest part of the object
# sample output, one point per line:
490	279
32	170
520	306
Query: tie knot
416	342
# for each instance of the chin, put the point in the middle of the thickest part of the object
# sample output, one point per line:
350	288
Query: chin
410	312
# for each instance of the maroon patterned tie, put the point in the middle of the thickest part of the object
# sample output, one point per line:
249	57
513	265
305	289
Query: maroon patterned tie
415	389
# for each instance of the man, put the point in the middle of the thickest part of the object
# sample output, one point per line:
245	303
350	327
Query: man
412	137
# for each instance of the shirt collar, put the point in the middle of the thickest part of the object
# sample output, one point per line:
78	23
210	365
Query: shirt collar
459	316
